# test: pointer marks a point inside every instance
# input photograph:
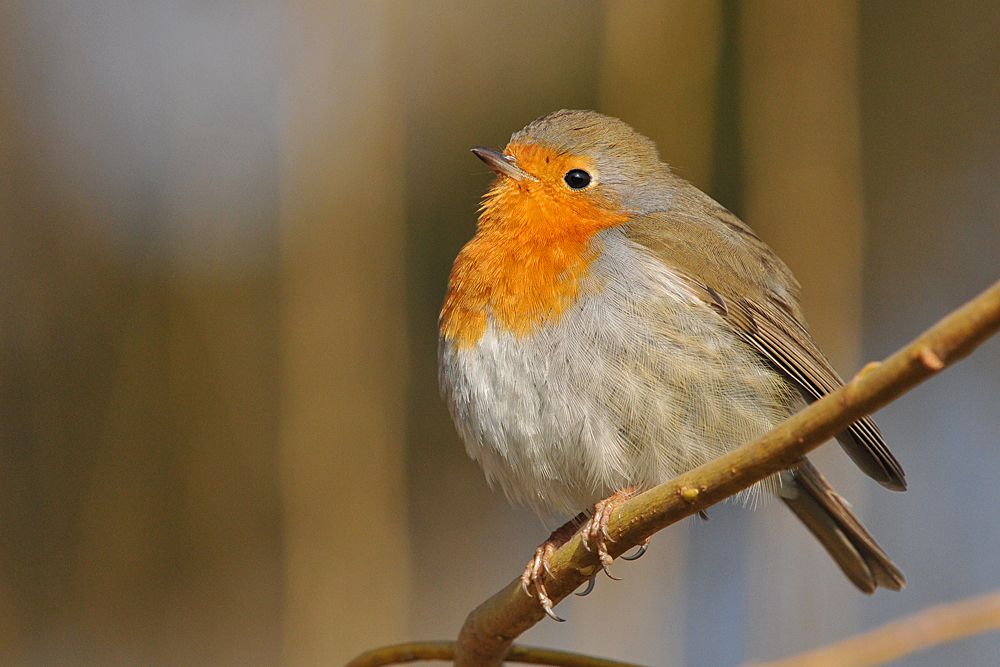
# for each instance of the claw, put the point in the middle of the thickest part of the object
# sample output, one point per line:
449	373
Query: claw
638	554
703	515
595	533
538	566
590	587
550	612
532	578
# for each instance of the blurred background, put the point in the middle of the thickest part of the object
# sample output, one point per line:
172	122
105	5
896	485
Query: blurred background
225	233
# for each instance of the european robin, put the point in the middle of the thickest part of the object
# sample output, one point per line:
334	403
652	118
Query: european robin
610	326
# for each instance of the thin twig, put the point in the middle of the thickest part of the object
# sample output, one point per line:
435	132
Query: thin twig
926	628
400	653
529	655
929	627
492	627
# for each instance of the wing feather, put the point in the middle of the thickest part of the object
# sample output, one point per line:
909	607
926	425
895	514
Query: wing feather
739	277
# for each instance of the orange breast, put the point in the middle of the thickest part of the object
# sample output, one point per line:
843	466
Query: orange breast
533	246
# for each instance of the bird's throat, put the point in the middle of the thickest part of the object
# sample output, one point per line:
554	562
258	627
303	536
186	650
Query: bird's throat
525	265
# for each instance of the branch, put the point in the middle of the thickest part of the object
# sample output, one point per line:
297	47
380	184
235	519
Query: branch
492	627
928	627
531	655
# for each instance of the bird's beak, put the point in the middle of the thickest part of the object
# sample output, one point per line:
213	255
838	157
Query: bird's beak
504	165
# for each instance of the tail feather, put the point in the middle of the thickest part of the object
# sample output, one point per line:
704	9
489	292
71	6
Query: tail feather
831	521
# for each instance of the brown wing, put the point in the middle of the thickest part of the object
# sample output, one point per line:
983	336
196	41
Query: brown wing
785	343
756	294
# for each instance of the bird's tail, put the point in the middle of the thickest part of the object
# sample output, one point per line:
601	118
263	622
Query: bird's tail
829	518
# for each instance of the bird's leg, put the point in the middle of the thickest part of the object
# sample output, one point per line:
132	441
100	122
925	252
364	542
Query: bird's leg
595	533
539	565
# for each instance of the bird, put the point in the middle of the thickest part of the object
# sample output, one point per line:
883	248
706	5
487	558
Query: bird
609	326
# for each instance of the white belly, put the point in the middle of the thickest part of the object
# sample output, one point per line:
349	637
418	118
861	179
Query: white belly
636	383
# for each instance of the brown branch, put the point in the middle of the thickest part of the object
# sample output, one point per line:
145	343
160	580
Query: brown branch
529	655
400	653
492	627
929	627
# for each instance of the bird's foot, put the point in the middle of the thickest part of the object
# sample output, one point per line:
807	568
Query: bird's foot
595	533
538	567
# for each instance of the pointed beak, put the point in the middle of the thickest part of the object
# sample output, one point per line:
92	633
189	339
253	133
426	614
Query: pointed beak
504	165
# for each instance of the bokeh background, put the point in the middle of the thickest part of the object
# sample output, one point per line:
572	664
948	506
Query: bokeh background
225	232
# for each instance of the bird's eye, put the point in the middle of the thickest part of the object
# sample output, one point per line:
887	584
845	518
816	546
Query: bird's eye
577	179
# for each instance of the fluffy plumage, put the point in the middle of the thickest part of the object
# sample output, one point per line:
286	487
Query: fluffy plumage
621	334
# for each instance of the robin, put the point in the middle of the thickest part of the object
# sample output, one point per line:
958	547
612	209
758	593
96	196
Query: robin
610	327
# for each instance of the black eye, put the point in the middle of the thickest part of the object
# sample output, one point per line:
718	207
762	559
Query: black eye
577	179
